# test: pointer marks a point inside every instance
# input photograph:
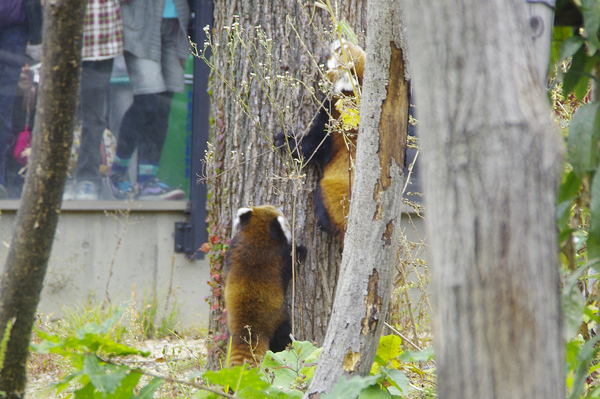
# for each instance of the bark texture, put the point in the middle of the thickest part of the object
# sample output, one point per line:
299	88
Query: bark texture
491	158
372	237
244	168
37	217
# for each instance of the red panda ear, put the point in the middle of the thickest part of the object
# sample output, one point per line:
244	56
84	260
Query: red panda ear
280	230
243	215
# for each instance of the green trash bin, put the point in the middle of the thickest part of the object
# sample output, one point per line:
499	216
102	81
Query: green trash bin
175	161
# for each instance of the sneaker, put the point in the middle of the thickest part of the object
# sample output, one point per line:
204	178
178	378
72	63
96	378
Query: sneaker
121	185
154	189
86	191
69	193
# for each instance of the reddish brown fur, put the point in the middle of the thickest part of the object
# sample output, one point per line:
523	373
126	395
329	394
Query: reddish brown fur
336	182
338	173
254	290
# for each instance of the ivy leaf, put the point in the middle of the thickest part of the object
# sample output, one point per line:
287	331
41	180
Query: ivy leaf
583	143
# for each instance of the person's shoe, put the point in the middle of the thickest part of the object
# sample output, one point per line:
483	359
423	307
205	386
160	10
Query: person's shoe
69	193
121	185
155	190
86	191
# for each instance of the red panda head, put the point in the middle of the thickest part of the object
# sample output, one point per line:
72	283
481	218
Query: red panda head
254	222
345	66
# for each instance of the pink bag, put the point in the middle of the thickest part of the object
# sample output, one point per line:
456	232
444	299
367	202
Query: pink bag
23	143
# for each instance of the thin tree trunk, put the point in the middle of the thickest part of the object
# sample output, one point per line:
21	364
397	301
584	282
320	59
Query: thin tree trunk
244	168
492	159
372	239
37	217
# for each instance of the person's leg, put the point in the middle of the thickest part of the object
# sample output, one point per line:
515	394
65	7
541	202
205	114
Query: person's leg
95	81
151	145
13	41
146	81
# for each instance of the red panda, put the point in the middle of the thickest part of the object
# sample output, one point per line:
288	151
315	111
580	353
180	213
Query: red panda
327	146
258	268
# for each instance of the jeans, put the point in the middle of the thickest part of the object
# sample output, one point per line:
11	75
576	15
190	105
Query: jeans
144	126
13	41
95	81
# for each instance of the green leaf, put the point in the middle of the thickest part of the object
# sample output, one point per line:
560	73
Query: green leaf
350	389
87	392
575	72
567	193
287	365
572	299
398	379
235	376
583	140
128	384
421	356
147	392
374	392
591	20
595	206
105	377
570	46
276	393
559	35
585	356
389	348
348	32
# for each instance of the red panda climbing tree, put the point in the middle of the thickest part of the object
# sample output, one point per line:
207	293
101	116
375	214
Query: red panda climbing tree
265	75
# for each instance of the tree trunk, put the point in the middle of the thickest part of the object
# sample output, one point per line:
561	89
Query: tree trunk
492	159
37	217
372	238
254	96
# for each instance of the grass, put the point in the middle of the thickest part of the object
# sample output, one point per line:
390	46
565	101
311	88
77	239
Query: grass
150	324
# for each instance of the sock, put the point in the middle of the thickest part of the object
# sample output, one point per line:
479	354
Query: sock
119	165
146	171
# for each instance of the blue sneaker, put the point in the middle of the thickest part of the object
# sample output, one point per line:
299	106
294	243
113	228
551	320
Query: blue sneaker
121	185
154	190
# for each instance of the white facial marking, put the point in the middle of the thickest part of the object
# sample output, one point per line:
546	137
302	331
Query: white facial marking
236	221
345	83
285	226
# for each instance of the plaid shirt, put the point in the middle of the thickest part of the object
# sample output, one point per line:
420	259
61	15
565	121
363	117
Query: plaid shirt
102	30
